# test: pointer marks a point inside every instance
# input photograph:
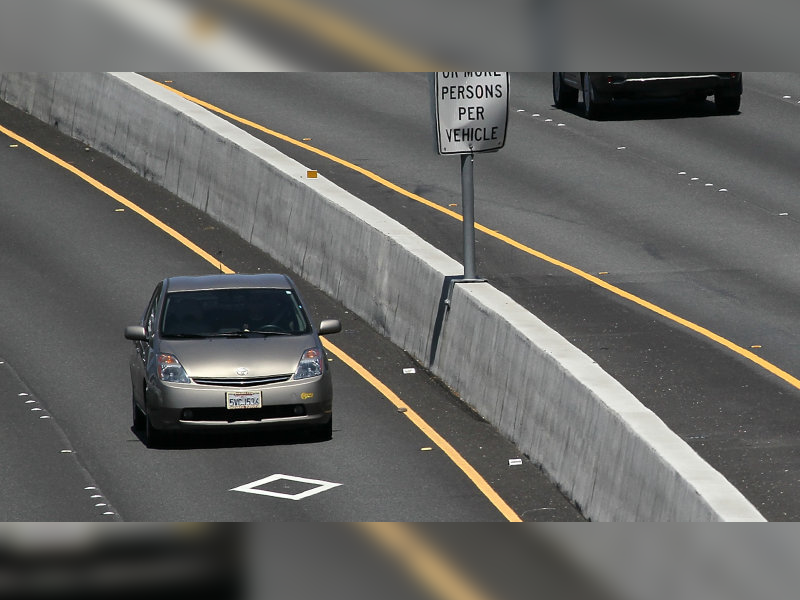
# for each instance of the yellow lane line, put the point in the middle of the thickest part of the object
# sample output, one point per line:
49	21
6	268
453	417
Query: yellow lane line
427	565
423	426
768	366
418	421
744	352
121	199
312	149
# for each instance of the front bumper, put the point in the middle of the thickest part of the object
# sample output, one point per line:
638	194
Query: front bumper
190	406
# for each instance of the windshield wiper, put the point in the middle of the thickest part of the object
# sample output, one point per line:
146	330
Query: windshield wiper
248	332
229	334
186	335
270	332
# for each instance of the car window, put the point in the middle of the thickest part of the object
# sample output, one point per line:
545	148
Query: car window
233	311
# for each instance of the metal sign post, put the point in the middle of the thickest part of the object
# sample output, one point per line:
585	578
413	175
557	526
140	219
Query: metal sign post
471	111
468	214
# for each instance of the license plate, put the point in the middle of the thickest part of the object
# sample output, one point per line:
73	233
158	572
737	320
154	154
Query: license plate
239	400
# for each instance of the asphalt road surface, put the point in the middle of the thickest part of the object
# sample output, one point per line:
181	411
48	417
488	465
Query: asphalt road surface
661	202
76	267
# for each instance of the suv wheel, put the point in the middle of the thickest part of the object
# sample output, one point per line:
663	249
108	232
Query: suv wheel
591	107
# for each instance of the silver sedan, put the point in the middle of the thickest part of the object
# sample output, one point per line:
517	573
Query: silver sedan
228	351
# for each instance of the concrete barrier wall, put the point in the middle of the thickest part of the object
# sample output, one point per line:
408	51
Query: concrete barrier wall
609	453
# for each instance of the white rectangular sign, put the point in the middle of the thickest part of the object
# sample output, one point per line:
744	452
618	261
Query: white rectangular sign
471	111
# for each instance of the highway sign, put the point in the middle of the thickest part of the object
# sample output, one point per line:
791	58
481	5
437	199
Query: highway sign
471	111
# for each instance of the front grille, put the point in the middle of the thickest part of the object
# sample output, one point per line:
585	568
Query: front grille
220	413
241	381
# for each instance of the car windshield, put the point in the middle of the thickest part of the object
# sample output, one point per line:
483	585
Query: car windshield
233	312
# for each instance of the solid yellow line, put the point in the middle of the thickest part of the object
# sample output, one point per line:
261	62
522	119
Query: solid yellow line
768	366
367	173
423	426
745	353
423	562
343	356
121	199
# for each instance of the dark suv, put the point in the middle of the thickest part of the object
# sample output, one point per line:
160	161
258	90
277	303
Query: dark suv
599	89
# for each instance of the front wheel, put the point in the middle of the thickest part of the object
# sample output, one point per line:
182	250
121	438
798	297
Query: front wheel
323	432
138	416
153	438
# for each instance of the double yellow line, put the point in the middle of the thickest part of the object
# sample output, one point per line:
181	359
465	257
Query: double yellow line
412	415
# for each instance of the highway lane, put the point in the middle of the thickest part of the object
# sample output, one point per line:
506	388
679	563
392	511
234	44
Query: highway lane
689	210
39	463
77	266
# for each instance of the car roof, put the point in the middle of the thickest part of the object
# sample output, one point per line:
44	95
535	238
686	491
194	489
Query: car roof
186	283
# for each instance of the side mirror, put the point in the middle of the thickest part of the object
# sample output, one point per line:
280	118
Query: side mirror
135	333
329	326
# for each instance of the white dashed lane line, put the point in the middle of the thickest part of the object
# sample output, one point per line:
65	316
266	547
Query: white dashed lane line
698	181
539	115
691	179
38	484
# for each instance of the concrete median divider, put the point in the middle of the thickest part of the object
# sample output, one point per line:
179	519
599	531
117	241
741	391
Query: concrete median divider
611	455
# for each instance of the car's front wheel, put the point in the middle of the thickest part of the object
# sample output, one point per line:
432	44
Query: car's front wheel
138	416
323	432
153	438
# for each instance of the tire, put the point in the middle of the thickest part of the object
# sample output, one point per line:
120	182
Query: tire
138	417
592	109
324	432
153	438
564	96
727	104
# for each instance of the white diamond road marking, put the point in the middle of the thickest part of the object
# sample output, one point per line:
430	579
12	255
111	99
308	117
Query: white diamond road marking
251	488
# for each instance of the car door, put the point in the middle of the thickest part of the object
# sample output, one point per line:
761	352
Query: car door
142	349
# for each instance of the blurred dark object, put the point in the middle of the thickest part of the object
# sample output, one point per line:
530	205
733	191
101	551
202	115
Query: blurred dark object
88	561
414	35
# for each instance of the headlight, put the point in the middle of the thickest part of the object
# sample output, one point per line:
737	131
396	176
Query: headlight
171	370
310	364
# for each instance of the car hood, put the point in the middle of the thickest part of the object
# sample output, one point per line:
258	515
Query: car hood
222	357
